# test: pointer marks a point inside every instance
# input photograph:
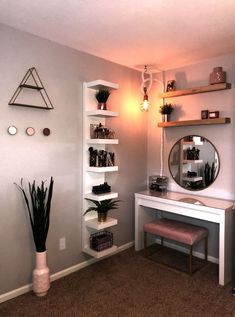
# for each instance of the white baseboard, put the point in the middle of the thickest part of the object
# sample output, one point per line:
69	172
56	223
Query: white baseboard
185	250
27	288
80	266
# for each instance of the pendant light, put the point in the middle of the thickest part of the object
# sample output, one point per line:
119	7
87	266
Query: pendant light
146	84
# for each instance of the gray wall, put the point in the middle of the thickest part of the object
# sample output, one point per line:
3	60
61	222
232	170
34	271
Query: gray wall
62	71
189	108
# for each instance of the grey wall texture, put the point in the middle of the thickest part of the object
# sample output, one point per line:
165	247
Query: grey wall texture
62	71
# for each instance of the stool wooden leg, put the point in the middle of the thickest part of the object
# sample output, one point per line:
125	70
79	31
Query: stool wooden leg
206	248
145	239
145	243
190	259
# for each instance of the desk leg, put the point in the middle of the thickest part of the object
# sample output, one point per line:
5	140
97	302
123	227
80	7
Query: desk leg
142	216
221	252
226	238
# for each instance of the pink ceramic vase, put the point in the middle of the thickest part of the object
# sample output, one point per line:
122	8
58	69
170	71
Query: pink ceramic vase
217	76
41	275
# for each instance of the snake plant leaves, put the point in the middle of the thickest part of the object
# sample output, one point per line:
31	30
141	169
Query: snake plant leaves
38	203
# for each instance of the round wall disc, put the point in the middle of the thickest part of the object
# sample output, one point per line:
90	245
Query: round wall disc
30	131
46	131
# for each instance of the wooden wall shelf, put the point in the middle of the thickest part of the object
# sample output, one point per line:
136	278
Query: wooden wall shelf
193	122
196	90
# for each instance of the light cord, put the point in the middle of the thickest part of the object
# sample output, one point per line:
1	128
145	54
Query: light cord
162	129
146	81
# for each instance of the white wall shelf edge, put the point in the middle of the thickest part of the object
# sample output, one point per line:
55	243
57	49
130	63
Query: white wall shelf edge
102	141
99	83
102	169
100	254
94	224
102	113
102	196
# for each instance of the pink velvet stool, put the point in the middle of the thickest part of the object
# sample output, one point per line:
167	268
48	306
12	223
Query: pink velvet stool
178	231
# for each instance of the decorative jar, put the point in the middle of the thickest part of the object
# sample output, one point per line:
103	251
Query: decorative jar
217	76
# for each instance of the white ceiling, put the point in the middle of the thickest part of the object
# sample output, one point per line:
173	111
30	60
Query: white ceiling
163	33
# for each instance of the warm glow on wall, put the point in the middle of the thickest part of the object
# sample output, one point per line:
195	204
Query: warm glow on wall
130	115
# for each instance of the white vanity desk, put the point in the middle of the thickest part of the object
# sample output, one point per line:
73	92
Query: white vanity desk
204	208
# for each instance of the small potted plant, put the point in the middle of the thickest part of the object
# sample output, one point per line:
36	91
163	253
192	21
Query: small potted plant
38	203
102	97
166	110
102	207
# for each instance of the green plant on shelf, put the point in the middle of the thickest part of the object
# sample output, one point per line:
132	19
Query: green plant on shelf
102	207
166	108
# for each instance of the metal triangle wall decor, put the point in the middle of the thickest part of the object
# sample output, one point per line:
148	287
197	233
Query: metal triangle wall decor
31	81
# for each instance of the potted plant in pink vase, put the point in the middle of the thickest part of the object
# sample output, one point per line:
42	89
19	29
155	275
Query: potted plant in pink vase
38	203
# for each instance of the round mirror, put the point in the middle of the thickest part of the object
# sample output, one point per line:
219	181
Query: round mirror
194	162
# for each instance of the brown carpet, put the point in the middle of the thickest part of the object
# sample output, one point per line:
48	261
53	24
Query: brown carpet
128	284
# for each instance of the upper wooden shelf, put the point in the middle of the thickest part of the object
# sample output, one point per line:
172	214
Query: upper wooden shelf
193	122
196	90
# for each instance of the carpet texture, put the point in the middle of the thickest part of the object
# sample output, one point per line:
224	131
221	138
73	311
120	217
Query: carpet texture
128	284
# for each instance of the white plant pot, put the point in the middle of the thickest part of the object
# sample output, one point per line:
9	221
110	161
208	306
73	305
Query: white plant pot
41	275
165	117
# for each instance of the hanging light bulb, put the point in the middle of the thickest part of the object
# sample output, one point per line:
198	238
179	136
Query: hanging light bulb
144	106
146	84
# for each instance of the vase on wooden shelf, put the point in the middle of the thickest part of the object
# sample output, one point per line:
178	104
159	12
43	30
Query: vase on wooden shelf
102	216
217	76
41	275
166	117
102	106
102	97
166	110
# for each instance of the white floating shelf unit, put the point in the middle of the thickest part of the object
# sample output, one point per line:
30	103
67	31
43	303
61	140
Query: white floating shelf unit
94	176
